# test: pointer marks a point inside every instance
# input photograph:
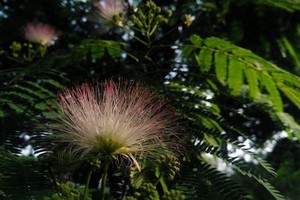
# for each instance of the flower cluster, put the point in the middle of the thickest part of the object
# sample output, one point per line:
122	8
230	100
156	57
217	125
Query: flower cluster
188	19
111	11
115	118
43	34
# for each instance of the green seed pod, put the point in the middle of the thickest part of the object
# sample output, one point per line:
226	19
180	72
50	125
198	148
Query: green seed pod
150	4
158	9
130	198
137	21
169	165
169	13
173	195
148	191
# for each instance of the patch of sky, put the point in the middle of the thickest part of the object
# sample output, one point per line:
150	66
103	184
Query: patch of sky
171	75
84	19
206	103
128	36
27	150
73	22
123	55
3	15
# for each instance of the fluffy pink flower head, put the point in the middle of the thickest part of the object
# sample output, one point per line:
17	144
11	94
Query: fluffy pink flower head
111	10
115	118
43	34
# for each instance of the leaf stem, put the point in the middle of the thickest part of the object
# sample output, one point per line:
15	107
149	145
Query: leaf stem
86	189
104	179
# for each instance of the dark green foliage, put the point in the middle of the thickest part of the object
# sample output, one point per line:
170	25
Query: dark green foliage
288	5
67	191
97	48
32	97
206	122
23	174
200	181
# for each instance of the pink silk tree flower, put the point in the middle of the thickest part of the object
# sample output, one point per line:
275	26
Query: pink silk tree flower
115	119
43	34
110	10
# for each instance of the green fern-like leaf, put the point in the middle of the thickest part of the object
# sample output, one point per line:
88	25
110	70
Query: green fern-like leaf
97	48
235	67
288	5
235	75
23	177
202	181
221	69
28	97
240	70
274	95
210	131
253	82
205	60
242	167
276	194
